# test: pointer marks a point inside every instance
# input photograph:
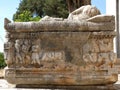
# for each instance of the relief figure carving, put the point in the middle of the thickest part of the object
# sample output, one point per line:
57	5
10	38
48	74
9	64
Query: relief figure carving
113	59
105	45
25	52
19	58
36	52
9	52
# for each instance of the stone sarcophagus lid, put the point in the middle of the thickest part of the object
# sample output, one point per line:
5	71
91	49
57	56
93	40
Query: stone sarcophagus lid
55	51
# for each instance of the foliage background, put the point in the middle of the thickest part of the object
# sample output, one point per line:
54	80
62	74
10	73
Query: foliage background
33	10
2	61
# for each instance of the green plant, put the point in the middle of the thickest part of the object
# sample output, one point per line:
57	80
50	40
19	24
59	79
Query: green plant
26	16
39	8
2	61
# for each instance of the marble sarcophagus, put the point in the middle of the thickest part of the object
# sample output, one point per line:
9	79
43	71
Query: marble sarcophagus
56	51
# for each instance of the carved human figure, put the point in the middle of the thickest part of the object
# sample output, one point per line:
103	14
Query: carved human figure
48	18
25	51
36	52
83	13
105	45
9	51
19	58
113	59
90	59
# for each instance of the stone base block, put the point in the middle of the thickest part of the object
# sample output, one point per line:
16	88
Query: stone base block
46	77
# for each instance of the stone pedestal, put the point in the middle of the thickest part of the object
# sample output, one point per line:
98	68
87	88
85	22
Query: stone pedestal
61	52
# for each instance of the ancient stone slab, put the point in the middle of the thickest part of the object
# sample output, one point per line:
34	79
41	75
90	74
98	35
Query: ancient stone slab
57	51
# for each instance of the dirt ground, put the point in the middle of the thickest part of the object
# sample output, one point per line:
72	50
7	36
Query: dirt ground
1	73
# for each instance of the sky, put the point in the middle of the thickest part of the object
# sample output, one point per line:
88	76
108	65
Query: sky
9	7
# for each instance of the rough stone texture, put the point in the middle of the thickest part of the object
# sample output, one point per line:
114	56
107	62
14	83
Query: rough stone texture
65	25
61	52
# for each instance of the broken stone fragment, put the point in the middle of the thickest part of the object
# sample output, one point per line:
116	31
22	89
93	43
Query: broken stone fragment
101	18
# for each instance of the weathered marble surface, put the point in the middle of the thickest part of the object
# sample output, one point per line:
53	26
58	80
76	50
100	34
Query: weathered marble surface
65	25
61	51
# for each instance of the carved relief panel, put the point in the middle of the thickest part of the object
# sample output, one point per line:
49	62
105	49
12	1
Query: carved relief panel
40	49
